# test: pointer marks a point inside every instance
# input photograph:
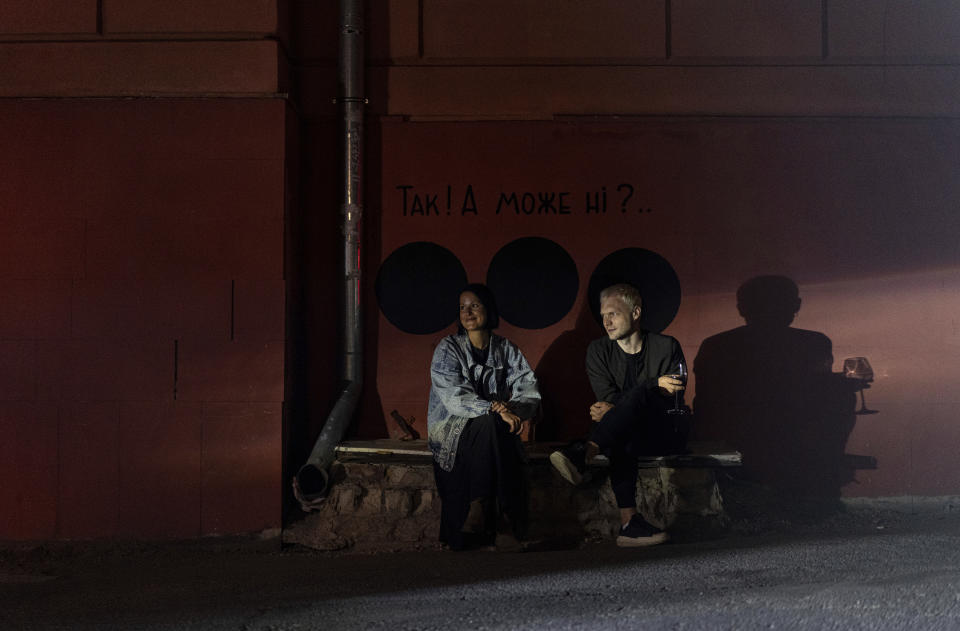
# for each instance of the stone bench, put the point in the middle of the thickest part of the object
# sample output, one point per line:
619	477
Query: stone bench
383	497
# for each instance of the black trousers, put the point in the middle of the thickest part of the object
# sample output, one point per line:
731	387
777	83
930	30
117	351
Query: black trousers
637	426
488	465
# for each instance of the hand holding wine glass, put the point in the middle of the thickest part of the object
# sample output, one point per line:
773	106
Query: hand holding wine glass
680	374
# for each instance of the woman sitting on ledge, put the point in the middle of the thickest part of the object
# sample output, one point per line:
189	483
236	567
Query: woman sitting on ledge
482	391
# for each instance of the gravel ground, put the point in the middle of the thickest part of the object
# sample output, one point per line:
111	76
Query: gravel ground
877	565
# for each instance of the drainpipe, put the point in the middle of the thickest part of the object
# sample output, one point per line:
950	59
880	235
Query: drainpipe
312	481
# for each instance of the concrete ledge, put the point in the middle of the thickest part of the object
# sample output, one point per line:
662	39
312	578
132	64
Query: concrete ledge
700	455
386	499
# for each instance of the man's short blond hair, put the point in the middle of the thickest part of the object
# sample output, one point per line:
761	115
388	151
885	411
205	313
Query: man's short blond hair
629	294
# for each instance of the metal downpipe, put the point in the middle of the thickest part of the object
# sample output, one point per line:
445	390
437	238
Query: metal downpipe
312	481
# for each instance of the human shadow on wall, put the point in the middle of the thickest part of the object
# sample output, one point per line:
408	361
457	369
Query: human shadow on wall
562	376
767	390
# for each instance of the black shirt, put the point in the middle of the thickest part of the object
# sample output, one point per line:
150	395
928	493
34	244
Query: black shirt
632	375
607	364
480	356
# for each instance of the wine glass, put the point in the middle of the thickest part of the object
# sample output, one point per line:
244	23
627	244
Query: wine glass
681	374
859	369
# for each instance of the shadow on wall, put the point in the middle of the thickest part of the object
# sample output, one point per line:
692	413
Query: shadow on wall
767	390
563	381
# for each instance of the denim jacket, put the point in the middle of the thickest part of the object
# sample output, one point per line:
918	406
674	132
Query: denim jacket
455	379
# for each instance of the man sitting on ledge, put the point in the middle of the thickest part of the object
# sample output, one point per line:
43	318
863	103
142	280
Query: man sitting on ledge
632	373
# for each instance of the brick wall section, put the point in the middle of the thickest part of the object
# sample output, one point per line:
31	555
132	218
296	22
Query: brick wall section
887	61
924	31
466	60
45	17
780	30
118	68
471	31
129	222
143	295
117	48
142	272
184	16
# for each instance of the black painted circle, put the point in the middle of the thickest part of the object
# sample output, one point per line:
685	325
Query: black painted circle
417	287
647	271
535	282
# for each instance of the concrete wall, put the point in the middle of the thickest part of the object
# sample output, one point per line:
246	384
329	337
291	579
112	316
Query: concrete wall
816	140
145	183
168	199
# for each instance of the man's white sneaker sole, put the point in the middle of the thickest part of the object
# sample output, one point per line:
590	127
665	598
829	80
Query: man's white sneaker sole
566	468
642	542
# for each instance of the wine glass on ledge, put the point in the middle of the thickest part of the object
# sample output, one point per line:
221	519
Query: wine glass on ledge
859	370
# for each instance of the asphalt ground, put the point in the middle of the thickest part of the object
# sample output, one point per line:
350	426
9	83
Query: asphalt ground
894	567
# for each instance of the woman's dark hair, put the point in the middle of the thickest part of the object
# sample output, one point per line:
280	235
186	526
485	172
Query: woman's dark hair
485	296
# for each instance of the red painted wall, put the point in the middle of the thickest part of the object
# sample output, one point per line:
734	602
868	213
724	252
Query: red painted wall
142	267
810	139
143	292
859	214
132	217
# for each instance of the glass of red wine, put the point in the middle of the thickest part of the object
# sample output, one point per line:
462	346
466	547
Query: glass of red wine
859	370
681	374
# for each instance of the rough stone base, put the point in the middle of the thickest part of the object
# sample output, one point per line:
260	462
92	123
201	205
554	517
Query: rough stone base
393	505
373	506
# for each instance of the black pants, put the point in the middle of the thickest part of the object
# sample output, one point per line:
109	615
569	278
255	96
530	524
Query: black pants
637	426
488	465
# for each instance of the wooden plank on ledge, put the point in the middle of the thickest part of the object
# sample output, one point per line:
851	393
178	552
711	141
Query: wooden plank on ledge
701	456
385	447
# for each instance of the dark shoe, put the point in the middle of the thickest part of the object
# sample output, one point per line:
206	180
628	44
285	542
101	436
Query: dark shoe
570	461
477	517
638	533
507	542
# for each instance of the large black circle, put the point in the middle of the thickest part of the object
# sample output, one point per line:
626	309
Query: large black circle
647	271
535	282
417	287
